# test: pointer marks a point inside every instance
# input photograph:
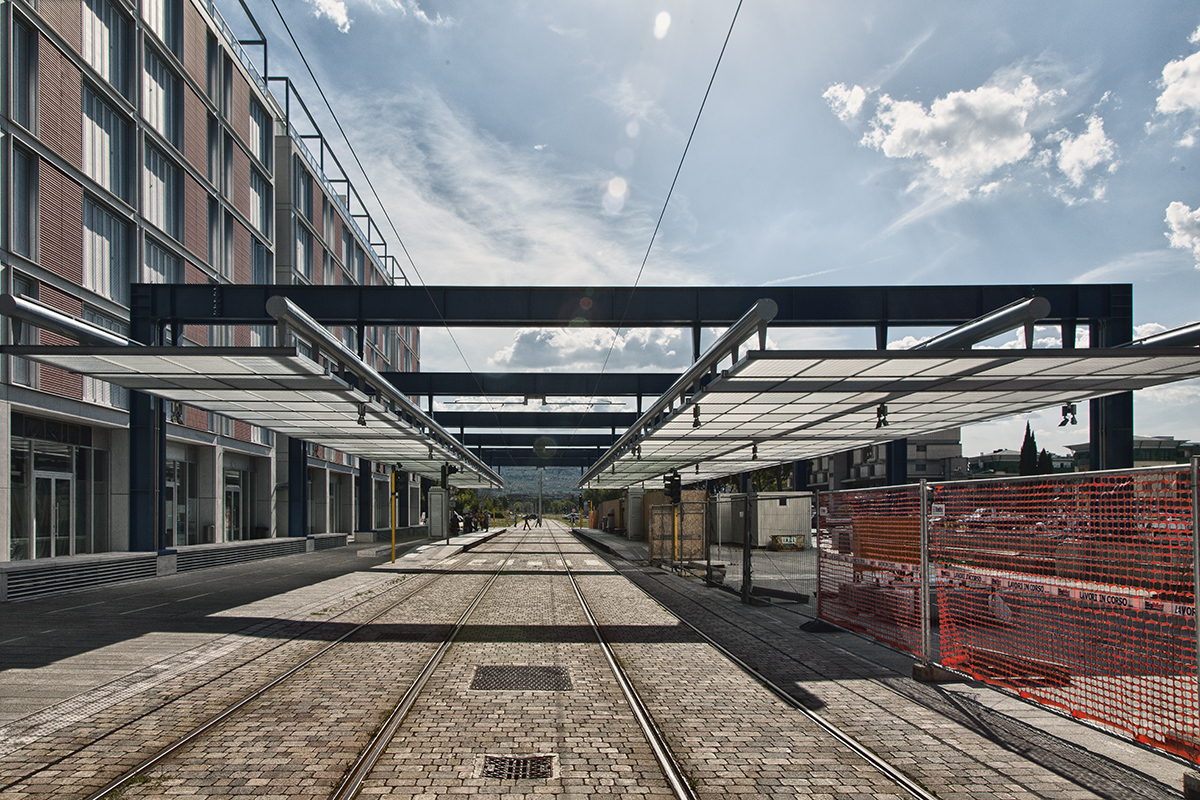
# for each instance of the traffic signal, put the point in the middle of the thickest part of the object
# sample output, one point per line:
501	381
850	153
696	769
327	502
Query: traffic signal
447	471
673	486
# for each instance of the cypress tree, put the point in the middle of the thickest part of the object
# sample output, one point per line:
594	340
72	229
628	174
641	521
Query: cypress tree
1028	464
1045	464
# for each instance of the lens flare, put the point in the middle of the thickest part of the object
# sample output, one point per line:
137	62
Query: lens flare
661	23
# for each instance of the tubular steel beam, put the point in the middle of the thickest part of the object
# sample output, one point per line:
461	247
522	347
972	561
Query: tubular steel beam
539	384
654	306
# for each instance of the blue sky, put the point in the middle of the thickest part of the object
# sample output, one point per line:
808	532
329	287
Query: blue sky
842	143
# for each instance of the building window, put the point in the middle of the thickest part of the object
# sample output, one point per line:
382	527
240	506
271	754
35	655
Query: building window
260	203
214	69
360	266
160	98
105	144
226	104
162	193
162	17
302	190
22	370
304	251
106	42
262	269
260	133
214	235
97	391
105	253
227	166
327	222
24	100
227	246
214	153
161	265
25	203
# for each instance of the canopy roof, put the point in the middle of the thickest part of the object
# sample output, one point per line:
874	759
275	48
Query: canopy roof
773	407
284	390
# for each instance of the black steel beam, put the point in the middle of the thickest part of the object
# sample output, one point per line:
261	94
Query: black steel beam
588	420
501	458
531	384
543	440
653	306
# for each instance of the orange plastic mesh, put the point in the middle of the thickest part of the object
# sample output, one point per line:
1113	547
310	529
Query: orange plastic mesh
870	556
1077	593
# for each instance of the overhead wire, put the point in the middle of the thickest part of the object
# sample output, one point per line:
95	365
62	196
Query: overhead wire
666	202
388	217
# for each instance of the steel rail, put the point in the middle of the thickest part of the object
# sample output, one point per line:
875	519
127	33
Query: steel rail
353	780
877	762
671	769
215	720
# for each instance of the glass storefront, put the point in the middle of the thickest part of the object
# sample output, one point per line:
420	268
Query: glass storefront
239	505
59	500
183	503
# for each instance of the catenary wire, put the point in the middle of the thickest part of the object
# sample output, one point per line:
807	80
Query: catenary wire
387	216
666	202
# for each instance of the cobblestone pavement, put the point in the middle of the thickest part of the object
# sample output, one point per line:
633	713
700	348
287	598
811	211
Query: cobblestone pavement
74	748
943	737
526	688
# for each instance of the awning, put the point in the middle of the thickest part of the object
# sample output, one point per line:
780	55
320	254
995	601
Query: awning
773	407
281	389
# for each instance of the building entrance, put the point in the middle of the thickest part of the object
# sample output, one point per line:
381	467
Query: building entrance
53	493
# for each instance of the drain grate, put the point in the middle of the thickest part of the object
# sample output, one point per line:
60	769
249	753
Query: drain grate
522	679
518	768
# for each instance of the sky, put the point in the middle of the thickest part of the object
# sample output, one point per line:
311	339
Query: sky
850	143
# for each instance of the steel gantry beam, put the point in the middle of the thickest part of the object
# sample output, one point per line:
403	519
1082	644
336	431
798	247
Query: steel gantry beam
655	306
531	384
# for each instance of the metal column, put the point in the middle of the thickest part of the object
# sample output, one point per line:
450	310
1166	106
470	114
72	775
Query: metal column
297	487
366	498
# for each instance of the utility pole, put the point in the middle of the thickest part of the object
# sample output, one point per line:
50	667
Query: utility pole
540	471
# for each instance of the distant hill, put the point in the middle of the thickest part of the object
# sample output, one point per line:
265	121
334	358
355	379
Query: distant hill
556	481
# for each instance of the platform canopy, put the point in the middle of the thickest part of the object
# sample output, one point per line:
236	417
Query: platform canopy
772	407
285	390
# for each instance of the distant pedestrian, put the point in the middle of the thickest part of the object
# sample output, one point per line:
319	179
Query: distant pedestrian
526	523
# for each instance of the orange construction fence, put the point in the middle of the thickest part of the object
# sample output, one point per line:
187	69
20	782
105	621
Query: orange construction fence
1076	591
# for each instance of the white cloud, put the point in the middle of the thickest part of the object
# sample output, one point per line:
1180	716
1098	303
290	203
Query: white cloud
1185	228
1181	85
483	212
964	138
587	348
1080	154
1137	266
845	102
335	10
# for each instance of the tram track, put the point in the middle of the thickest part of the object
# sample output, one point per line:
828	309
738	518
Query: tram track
186	758
877	762
189	695
153	717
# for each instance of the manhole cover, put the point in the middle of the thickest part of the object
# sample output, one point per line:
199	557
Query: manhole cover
522	679
518	768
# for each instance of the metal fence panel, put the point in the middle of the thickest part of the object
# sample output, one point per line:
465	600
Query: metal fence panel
869	573
1077	593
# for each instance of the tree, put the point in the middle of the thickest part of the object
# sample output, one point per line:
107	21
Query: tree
1029	454
1045	464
